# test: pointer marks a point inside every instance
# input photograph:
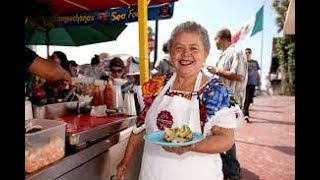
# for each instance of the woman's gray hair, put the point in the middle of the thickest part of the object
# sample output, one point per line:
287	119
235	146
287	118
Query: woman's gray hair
191	27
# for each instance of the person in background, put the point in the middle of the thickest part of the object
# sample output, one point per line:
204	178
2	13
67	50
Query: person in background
73	68
95	69
60	58
232	70
56	91
165	65
128	83
117	68
253	81
39	71
117	71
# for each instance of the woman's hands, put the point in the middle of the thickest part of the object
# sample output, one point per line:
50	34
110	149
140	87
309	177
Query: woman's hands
179	150
221	140
122	169
134	141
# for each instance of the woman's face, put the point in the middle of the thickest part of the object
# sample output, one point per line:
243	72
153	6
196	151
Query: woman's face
116	71
187	53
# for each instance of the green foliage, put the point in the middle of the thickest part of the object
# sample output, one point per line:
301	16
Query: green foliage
285	52
281	7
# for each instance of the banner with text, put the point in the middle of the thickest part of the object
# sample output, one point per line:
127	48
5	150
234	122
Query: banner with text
114	16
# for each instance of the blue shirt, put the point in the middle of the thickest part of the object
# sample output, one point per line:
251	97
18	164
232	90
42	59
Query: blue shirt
253	68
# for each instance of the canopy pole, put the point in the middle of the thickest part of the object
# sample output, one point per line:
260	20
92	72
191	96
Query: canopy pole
143	40
47	42
156	45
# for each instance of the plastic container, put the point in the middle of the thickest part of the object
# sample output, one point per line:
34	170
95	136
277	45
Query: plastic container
46	146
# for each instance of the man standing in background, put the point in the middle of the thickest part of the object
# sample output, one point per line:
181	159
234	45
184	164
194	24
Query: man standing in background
253	81
232	70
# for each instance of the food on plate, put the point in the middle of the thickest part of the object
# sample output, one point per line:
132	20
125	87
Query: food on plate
178	135
170	134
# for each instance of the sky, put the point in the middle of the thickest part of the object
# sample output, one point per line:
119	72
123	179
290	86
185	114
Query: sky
211	14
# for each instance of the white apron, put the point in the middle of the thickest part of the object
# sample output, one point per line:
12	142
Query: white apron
158	164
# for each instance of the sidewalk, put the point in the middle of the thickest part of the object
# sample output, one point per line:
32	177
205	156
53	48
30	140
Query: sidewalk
266	147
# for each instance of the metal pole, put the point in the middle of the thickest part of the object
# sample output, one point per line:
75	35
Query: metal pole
261	61
261	53
143	40
156	45
48	52
47	39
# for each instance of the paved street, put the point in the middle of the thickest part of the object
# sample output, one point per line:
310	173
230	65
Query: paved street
266	147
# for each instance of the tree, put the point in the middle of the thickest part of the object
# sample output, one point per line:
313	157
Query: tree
281	7
285	50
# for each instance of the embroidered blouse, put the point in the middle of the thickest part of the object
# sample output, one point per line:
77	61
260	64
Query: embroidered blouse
214	102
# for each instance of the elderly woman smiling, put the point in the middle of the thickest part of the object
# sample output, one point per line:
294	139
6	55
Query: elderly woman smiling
185	98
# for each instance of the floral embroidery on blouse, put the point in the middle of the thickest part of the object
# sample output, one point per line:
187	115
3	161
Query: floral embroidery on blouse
212	97
164	120
215	97
150	90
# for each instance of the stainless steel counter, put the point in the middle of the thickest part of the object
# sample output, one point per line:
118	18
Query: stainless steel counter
96	162
100	131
